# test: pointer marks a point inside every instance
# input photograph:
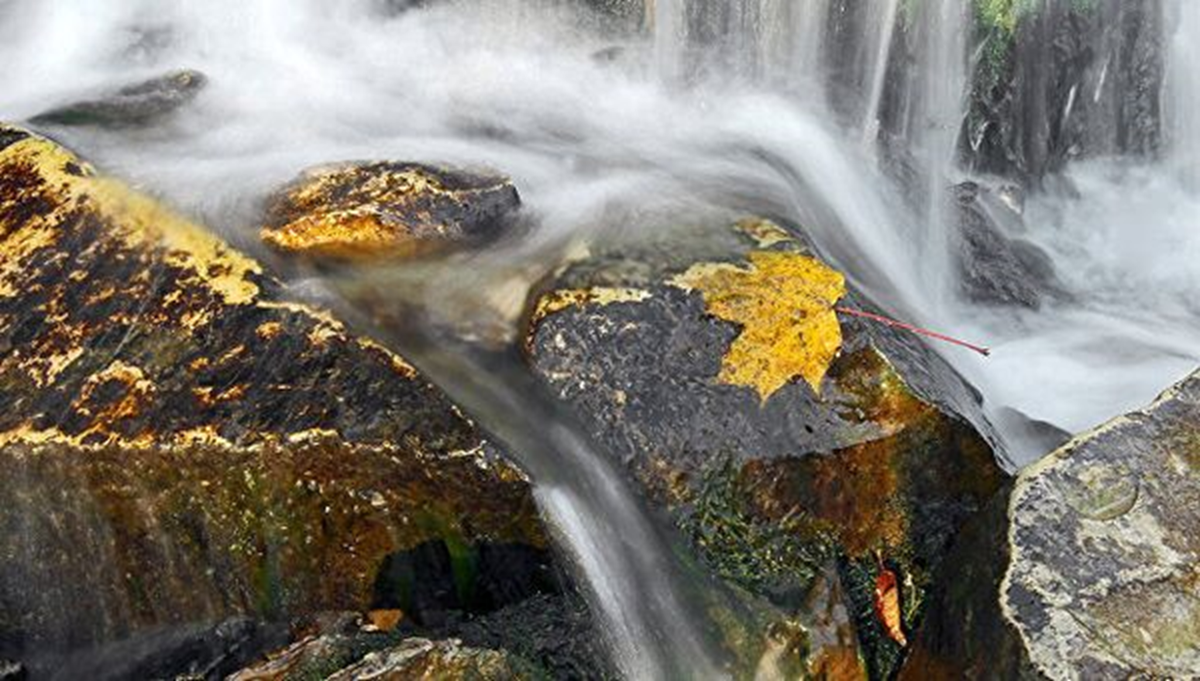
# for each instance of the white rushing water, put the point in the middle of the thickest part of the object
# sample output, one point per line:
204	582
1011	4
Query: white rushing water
658	134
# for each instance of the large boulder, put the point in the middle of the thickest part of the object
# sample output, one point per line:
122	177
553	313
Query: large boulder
1104	574
182	443
1089	571
783	437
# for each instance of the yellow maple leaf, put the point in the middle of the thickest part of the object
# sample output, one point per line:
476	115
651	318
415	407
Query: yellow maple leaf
784	304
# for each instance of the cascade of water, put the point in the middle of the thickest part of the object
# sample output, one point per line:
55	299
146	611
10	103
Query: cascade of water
627	570
669	21
1183	92
882	32
936	111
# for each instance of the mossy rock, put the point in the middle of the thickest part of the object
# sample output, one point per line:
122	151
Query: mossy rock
782	436
183	442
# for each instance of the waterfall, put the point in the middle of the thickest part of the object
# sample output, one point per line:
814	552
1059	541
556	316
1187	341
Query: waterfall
879	50
1183	91
770	106
669	22
937	103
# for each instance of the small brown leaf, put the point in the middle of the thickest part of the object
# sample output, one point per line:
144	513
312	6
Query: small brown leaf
887	606
384	620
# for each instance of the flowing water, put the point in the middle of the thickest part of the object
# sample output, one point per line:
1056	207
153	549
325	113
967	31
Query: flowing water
748	106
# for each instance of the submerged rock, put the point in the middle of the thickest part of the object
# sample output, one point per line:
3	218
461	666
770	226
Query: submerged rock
377	210
420	658
1089	571
995	268
782	437
140	104
182	443
413	658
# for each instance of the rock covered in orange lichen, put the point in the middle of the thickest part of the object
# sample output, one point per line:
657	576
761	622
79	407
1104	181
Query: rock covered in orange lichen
182	442
375	210
782	438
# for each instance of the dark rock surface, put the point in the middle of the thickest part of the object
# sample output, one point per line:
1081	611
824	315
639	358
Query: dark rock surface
1066	80
183	443
136	105
546	636
209	652
994	267
770	488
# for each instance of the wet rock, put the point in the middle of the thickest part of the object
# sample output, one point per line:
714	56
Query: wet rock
433	580
420	658
1105	544
181	442
1089	570
1063	80
782	437
12	671
141	104
553	636
995	268
193	652
377	210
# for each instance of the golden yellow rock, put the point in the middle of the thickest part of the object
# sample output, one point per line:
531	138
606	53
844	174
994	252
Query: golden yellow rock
784	303
556	301
370	210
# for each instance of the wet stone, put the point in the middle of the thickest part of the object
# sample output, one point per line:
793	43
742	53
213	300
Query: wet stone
136	105
1103	579
388	210
182	442
780	437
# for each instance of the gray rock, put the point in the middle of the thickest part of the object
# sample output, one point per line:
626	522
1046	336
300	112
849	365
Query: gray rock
1087	569
1105	541
135	105
995	268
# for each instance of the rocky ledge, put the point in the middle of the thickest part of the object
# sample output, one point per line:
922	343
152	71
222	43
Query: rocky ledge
183	443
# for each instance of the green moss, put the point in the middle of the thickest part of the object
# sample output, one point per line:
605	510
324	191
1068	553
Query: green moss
762	557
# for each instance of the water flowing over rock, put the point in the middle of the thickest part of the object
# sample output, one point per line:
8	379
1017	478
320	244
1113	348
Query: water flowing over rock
773	471
413	658
995	267
183	443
